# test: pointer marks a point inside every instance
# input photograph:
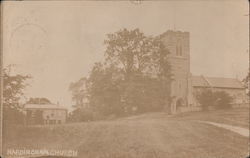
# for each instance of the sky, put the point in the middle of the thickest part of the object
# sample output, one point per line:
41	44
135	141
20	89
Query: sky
57	42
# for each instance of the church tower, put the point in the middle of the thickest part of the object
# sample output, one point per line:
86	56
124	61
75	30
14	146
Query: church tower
177	43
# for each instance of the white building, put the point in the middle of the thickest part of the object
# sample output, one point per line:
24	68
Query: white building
45	114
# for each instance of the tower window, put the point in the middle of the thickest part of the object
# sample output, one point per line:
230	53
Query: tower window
178	48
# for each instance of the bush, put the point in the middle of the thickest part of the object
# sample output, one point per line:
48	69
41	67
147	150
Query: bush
80	115
218	99
206	99
223	100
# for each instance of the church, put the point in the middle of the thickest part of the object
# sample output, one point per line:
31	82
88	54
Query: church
185	85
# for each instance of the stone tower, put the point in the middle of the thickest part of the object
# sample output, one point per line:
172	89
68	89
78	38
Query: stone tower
177	43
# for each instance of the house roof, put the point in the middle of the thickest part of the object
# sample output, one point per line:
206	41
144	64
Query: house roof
202	81
44	106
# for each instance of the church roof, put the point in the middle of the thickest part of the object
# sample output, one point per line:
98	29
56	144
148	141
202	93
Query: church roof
202	81
198	81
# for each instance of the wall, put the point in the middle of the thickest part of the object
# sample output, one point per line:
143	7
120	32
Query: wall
55	114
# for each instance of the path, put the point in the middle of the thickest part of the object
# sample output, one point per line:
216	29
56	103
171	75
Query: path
242	131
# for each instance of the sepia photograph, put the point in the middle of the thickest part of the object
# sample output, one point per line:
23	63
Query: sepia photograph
124	79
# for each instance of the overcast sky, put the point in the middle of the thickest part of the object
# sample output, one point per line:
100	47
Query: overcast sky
57	42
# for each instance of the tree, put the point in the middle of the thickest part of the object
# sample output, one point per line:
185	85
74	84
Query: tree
134	77
246	83
79	91
13	86
132	51
139	58
105	90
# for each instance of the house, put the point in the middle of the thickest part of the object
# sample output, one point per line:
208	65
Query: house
41	114
184	86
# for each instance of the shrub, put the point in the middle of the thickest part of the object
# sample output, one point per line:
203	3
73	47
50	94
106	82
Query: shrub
218	99
80	115
223	100
206	99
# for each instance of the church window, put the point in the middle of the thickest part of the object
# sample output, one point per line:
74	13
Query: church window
178	48
177	51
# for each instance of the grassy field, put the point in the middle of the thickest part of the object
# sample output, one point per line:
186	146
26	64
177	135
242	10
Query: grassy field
154	135
237	117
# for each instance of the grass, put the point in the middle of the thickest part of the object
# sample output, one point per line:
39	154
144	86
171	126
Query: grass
153	135
235	116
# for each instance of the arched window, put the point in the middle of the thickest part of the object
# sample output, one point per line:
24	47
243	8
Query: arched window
178	48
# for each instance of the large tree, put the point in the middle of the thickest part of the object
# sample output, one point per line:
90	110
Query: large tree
140	58
13	87
133	52
134	77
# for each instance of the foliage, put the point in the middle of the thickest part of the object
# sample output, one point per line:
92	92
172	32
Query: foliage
78	90
223	100
206	98
246	83
218	99
134	77
13	86
132	51
80	114
105	90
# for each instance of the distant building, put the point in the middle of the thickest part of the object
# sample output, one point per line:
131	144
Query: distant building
230	85
45	114
185	85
